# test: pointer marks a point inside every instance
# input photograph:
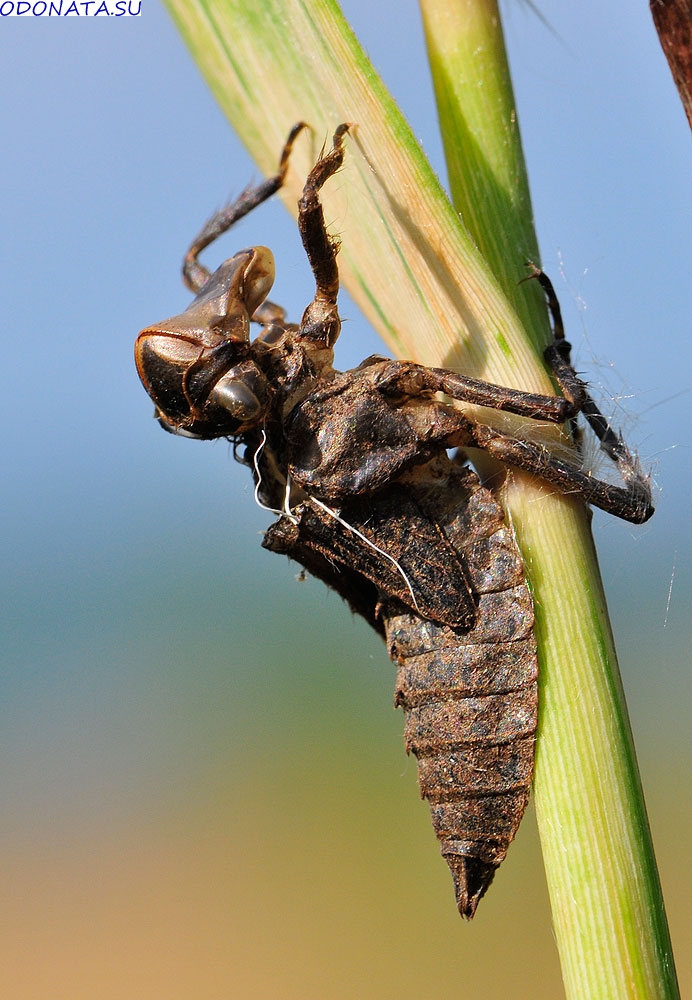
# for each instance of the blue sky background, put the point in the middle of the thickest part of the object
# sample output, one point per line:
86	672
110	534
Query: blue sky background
146	637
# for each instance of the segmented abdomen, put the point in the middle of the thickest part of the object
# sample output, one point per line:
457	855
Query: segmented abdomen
471	698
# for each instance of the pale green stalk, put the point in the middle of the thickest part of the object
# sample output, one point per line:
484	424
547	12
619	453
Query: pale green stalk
605	893
419	277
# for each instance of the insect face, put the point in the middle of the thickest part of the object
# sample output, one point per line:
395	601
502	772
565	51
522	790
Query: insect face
196	366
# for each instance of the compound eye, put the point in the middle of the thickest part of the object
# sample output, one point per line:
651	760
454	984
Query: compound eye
235	396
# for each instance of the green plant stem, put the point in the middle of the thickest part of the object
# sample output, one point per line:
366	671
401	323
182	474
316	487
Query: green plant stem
605	893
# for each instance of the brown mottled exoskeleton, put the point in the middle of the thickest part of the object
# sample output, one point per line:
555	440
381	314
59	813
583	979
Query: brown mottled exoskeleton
355	463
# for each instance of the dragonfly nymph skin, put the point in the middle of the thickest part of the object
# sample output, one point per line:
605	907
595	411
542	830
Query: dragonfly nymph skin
356	464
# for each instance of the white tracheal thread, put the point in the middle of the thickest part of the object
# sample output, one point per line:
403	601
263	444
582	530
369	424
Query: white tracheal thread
286	512
349	527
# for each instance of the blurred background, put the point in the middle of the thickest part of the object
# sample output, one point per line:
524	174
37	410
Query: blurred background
203	787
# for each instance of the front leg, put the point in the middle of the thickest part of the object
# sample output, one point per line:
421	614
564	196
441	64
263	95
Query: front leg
321	321
195	275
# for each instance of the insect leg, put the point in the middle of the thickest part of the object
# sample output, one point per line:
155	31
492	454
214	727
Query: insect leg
409	379
269	313
556	409
557	356
196	274
631	502
321	318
